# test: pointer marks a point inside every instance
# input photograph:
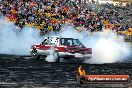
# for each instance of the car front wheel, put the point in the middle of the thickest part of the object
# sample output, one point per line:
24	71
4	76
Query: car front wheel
34	54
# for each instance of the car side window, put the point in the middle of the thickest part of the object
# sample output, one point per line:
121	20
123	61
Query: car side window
75	42
62	42
69	42
66	41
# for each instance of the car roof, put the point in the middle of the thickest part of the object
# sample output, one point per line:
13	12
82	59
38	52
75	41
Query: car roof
61	37
67	38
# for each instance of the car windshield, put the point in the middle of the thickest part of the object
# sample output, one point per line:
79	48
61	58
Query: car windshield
50	41
71	42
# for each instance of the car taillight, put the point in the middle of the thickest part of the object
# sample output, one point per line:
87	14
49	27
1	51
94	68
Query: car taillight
90	50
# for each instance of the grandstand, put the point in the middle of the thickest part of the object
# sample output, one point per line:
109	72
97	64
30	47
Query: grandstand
49	15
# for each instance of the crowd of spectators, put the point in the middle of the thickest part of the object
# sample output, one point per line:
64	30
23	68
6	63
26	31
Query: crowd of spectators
50	15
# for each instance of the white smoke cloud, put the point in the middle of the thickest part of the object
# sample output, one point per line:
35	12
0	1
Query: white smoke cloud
107	46
52	57
16	42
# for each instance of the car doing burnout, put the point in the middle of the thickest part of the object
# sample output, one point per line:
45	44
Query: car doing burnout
61	47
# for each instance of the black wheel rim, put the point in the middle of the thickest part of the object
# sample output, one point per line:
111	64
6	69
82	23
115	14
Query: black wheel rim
34	54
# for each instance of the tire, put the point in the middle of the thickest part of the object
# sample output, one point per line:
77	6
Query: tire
34	54
56	55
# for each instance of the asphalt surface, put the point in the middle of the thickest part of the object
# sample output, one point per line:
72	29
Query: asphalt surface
24	72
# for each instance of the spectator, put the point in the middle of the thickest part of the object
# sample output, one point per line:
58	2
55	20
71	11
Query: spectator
49	15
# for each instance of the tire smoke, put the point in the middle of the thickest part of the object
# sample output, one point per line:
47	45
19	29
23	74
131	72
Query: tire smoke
107	47
52	57
15	41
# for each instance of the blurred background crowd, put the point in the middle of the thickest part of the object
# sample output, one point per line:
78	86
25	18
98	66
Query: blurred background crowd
50	15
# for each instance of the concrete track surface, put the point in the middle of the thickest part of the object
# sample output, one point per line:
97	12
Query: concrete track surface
24	72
